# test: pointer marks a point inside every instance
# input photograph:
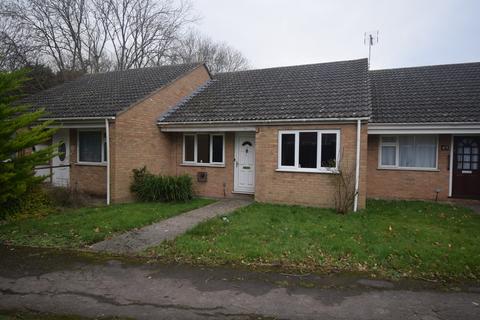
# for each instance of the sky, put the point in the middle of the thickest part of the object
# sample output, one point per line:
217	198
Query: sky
279	33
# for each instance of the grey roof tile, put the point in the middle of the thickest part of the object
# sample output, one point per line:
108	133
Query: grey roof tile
442	93
104	94
325	90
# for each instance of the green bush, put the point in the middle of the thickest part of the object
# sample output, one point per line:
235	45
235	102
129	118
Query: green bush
150	187
34	202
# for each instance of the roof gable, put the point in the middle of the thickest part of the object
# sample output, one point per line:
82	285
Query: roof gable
325	90
104	94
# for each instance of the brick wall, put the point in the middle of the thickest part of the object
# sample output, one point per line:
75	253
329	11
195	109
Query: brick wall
91	179
137	141
407	184
304	188
220	179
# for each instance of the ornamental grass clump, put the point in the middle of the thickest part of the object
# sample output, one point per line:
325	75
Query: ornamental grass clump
149	187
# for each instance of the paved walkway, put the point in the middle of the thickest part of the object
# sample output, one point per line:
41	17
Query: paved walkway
141	239
62	282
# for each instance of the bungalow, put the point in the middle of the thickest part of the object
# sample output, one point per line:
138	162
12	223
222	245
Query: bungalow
278	134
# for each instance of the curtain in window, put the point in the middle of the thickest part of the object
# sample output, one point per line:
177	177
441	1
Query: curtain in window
417	151
388	155
90	146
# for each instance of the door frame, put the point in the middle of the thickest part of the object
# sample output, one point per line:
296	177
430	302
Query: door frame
452	162
238	135
64	168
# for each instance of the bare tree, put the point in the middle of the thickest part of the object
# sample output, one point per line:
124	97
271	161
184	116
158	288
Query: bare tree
219	57
84	34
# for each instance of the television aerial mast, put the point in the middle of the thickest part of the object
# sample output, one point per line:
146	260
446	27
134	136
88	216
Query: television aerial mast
370	39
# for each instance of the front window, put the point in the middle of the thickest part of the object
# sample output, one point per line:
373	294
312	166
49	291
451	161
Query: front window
91	146
408	151
309	150
203	149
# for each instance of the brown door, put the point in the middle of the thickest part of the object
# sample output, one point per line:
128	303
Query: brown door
466	167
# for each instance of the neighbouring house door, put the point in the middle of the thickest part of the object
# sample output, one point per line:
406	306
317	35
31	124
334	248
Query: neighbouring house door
244	165
466	167
61	162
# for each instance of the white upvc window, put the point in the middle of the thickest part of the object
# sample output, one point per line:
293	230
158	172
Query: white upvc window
204	149
410	152
314	151
91	146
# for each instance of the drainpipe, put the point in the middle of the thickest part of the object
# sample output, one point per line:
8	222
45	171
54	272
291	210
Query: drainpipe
357	166
107	137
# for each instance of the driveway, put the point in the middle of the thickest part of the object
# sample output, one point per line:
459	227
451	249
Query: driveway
68	283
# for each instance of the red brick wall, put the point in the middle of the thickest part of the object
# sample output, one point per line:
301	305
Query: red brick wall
91	179
407	184
220	179
315	189
136	140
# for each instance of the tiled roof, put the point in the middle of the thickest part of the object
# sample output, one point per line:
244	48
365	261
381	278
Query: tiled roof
443	93
104	94
325	90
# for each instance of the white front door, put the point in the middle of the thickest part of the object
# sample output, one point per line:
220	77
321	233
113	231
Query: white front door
61	162
244	162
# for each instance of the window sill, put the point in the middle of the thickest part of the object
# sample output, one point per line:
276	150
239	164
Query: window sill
92	164
207	165
409	169
332	171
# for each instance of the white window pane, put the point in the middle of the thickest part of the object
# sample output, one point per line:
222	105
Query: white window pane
406	151
425	151
90	146
388	155
329	150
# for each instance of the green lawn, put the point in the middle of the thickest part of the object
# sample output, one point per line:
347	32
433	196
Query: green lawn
81	227
389	238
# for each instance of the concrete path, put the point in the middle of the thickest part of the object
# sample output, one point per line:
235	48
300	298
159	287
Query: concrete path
64	283
141	239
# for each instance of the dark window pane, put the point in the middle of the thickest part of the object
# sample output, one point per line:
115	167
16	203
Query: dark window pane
203	148
307	157
329	149
217	142
105	147
189	148
90	146
288	150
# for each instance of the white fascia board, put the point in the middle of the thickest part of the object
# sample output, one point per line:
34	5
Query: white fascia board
427	128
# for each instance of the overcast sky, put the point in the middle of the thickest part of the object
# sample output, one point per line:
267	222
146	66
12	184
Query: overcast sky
279	32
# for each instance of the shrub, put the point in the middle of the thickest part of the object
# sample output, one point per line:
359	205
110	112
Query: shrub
34	202
150	187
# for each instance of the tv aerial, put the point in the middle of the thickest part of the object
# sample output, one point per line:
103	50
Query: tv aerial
370	39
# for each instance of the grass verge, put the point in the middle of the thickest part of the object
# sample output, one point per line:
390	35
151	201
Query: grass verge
390	238
81	227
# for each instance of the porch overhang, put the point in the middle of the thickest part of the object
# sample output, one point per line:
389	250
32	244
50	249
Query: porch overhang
424	128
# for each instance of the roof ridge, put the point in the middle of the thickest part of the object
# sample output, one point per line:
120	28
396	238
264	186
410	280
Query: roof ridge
293	66
427	66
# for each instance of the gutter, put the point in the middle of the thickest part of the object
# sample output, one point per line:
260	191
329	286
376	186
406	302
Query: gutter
78	118
274	121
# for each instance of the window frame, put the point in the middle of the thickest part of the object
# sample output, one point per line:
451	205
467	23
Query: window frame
319	168
103	161
396	144
195	150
